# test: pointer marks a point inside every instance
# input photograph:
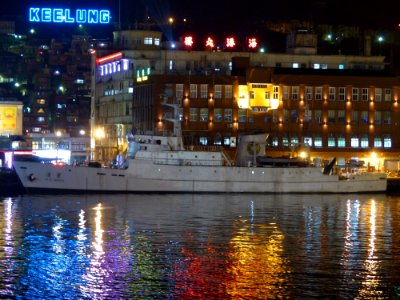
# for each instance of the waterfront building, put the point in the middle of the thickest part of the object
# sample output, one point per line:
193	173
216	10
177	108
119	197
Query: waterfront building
341	106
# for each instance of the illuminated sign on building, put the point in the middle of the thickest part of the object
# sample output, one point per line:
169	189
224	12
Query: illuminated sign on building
10	119
230	42
113	63
66	15
142	75
252	43
188	41
210	43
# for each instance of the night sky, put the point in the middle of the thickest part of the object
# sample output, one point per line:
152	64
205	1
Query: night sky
228	17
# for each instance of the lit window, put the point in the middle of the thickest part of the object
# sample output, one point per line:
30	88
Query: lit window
378	142
148	41
275	141
318	141
341	142
203	140
364	142
354	143
296	66
331	142
317	66
285	141
387	142
125	64
308	141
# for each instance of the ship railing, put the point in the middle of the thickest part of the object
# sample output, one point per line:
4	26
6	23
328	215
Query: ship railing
215	148
187	162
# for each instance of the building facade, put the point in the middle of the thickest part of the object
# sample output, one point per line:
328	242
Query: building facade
340	106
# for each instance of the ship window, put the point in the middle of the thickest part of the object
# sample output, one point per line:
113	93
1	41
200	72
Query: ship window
318	141
387	142
294	140
275	141
364	142
354	143
285	141
331	142
341	142
378	142
203	140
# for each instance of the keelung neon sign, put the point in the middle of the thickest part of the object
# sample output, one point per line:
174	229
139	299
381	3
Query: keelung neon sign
67	15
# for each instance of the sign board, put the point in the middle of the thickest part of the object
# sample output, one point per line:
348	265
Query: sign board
67	15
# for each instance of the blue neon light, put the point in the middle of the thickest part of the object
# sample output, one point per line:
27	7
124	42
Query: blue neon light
66	15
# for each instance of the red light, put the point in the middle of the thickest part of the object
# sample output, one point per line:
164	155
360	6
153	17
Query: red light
109	58
230	42
252	43
210	43
188	41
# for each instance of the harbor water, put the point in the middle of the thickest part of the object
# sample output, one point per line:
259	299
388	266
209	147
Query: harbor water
207	246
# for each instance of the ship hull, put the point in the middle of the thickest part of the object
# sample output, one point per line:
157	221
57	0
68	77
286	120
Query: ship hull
143	176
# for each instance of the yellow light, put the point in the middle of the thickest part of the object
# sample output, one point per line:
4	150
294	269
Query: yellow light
303	154
274	103
99	133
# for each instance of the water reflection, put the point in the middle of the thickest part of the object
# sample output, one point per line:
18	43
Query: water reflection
199	246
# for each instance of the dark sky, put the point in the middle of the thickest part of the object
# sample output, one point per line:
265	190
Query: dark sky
228	16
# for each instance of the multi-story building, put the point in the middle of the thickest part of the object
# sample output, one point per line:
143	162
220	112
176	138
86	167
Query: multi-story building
342	106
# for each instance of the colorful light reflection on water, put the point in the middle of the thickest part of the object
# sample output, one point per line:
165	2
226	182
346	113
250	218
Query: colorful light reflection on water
200	247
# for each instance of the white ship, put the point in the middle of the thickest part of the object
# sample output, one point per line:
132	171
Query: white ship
162	164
